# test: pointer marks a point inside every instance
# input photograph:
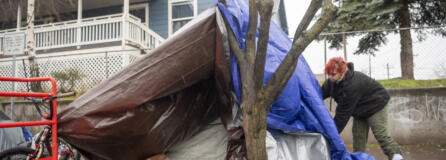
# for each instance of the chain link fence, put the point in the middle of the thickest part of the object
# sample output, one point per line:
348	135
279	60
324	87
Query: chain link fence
80	72
73	72
429	56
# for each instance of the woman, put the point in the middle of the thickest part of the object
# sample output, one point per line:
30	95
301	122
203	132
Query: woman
363	98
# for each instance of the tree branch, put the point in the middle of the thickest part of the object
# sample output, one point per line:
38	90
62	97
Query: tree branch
250	39
244	66
306	20
265	7
238	53
286	69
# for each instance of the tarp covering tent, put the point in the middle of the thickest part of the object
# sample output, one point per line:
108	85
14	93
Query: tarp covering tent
155	102
300	106
166	96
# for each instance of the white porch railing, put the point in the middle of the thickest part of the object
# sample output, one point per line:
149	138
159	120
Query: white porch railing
91	31
142	35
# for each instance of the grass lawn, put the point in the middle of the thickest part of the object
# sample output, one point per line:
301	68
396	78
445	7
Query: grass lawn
403	83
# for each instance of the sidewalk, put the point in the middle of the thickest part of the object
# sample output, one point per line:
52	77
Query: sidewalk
410	152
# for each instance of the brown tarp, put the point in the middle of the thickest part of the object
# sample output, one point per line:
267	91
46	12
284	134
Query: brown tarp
157	101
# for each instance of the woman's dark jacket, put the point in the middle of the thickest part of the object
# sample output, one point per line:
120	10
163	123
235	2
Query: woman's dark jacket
357	95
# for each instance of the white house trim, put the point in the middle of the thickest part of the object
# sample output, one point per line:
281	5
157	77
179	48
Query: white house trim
169	13
181	19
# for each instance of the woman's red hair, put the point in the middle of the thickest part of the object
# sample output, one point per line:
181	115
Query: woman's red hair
335	64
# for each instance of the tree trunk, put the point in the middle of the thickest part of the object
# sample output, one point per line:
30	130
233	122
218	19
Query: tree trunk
30	45
254	127
406	43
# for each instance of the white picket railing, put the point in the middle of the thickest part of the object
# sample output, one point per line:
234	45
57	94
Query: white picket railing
142	35
91	31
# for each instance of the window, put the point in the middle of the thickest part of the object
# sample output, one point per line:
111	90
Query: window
181	12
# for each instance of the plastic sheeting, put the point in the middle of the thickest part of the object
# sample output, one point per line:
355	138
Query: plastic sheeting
300	106
299	146
163	98
10	137
211	142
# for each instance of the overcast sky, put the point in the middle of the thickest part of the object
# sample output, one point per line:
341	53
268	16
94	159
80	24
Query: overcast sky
428	54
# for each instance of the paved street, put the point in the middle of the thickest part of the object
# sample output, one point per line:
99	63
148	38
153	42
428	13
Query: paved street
410	152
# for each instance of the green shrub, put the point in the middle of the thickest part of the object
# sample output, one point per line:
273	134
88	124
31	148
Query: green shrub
67	79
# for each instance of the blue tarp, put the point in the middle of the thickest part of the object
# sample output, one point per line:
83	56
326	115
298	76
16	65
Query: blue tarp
300	106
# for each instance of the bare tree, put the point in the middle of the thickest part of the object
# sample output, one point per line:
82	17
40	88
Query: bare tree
257	98
30	46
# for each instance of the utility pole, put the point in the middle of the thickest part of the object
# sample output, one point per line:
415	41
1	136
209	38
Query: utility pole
14	66
344	41
325	51
370	66
388	75
344	44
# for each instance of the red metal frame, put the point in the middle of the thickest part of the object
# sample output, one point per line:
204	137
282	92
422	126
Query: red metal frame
52	122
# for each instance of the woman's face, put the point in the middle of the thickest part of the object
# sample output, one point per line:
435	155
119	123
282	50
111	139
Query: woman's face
334	76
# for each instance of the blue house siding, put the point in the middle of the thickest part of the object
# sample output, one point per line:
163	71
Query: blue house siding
101	11
158	20
104	11
204	4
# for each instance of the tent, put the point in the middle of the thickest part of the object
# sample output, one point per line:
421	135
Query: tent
167	96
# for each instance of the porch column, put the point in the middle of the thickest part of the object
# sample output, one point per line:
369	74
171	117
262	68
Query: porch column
79	20
146	8
19	17
125	10
125	14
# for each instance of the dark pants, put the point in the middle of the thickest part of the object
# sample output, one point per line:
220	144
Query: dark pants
378	123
